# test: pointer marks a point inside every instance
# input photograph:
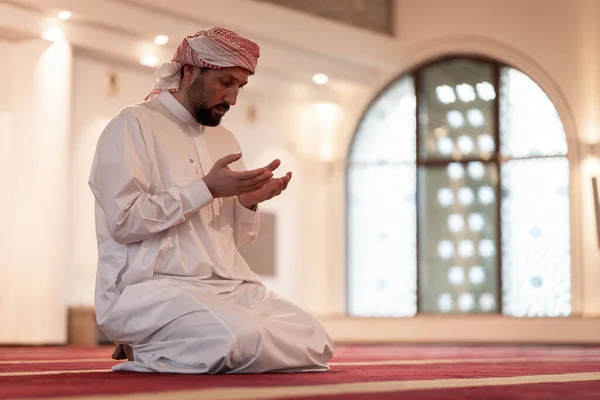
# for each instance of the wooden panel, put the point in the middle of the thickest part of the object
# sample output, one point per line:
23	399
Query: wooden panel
83	329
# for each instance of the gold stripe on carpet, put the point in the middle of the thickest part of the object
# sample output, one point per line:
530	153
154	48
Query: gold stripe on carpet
81	360
30	373
359	363
251	393
466	361
333	364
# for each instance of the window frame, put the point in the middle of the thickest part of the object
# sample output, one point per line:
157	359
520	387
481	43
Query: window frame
496	159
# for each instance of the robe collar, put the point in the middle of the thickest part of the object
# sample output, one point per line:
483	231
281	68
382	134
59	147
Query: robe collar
177	109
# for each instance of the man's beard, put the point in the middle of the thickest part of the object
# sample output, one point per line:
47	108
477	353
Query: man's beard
208	116
203	114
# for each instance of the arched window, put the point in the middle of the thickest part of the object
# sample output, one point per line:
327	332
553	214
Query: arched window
458	197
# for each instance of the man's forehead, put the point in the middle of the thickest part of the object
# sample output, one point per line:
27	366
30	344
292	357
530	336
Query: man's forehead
239	74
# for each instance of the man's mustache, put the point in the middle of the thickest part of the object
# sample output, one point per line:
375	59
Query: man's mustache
224	106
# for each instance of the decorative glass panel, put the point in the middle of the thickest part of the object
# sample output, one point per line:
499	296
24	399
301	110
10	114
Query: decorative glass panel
457	177
529	124
456	111
536	263
387	133
382	265
457	238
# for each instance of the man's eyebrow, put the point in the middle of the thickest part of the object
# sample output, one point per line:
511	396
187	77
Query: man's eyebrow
241	82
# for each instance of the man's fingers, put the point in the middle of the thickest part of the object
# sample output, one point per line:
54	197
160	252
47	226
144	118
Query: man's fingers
251	174
276	188
273	165
228	159
252	188
259	180
245	175
286	180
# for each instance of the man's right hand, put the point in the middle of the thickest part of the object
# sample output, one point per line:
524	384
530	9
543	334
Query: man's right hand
223	182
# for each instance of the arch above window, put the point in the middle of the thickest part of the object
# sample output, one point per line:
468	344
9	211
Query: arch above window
458	196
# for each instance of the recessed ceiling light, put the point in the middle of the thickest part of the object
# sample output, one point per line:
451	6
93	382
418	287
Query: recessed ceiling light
149	60
161	39
320	79
64	15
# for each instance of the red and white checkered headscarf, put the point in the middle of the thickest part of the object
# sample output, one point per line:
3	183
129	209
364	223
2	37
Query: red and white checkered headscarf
213	48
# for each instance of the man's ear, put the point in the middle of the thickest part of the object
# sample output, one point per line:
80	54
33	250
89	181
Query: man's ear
188	73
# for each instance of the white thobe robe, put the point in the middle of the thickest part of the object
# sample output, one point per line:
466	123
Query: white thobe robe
170	280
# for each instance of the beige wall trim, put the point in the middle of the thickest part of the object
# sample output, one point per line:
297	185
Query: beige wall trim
464	330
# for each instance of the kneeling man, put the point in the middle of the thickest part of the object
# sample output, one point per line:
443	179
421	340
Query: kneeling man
174	202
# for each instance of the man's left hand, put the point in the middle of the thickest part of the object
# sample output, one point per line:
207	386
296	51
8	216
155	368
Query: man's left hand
272	188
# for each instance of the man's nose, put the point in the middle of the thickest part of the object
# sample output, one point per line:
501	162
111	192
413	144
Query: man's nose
231	97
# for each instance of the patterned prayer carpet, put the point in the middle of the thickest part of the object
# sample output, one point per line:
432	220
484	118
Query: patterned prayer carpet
358	372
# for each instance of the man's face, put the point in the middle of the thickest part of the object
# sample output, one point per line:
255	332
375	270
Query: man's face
213	92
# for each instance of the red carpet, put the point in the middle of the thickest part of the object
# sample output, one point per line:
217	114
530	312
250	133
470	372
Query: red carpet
358	372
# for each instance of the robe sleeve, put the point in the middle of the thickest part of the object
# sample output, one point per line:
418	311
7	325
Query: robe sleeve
246	221
120	181
246	225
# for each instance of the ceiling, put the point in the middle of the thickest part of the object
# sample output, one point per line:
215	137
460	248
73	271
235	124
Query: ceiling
294	47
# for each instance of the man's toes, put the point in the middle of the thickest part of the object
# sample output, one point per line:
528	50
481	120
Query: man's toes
129	352
119	353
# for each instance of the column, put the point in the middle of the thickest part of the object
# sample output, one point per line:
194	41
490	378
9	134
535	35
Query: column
33	307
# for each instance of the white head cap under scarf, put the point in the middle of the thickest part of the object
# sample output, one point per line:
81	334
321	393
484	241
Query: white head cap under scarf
215	48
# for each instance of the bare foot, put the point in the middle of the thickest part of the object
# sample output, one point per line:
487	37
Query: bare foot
119	353
122	352
128	352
